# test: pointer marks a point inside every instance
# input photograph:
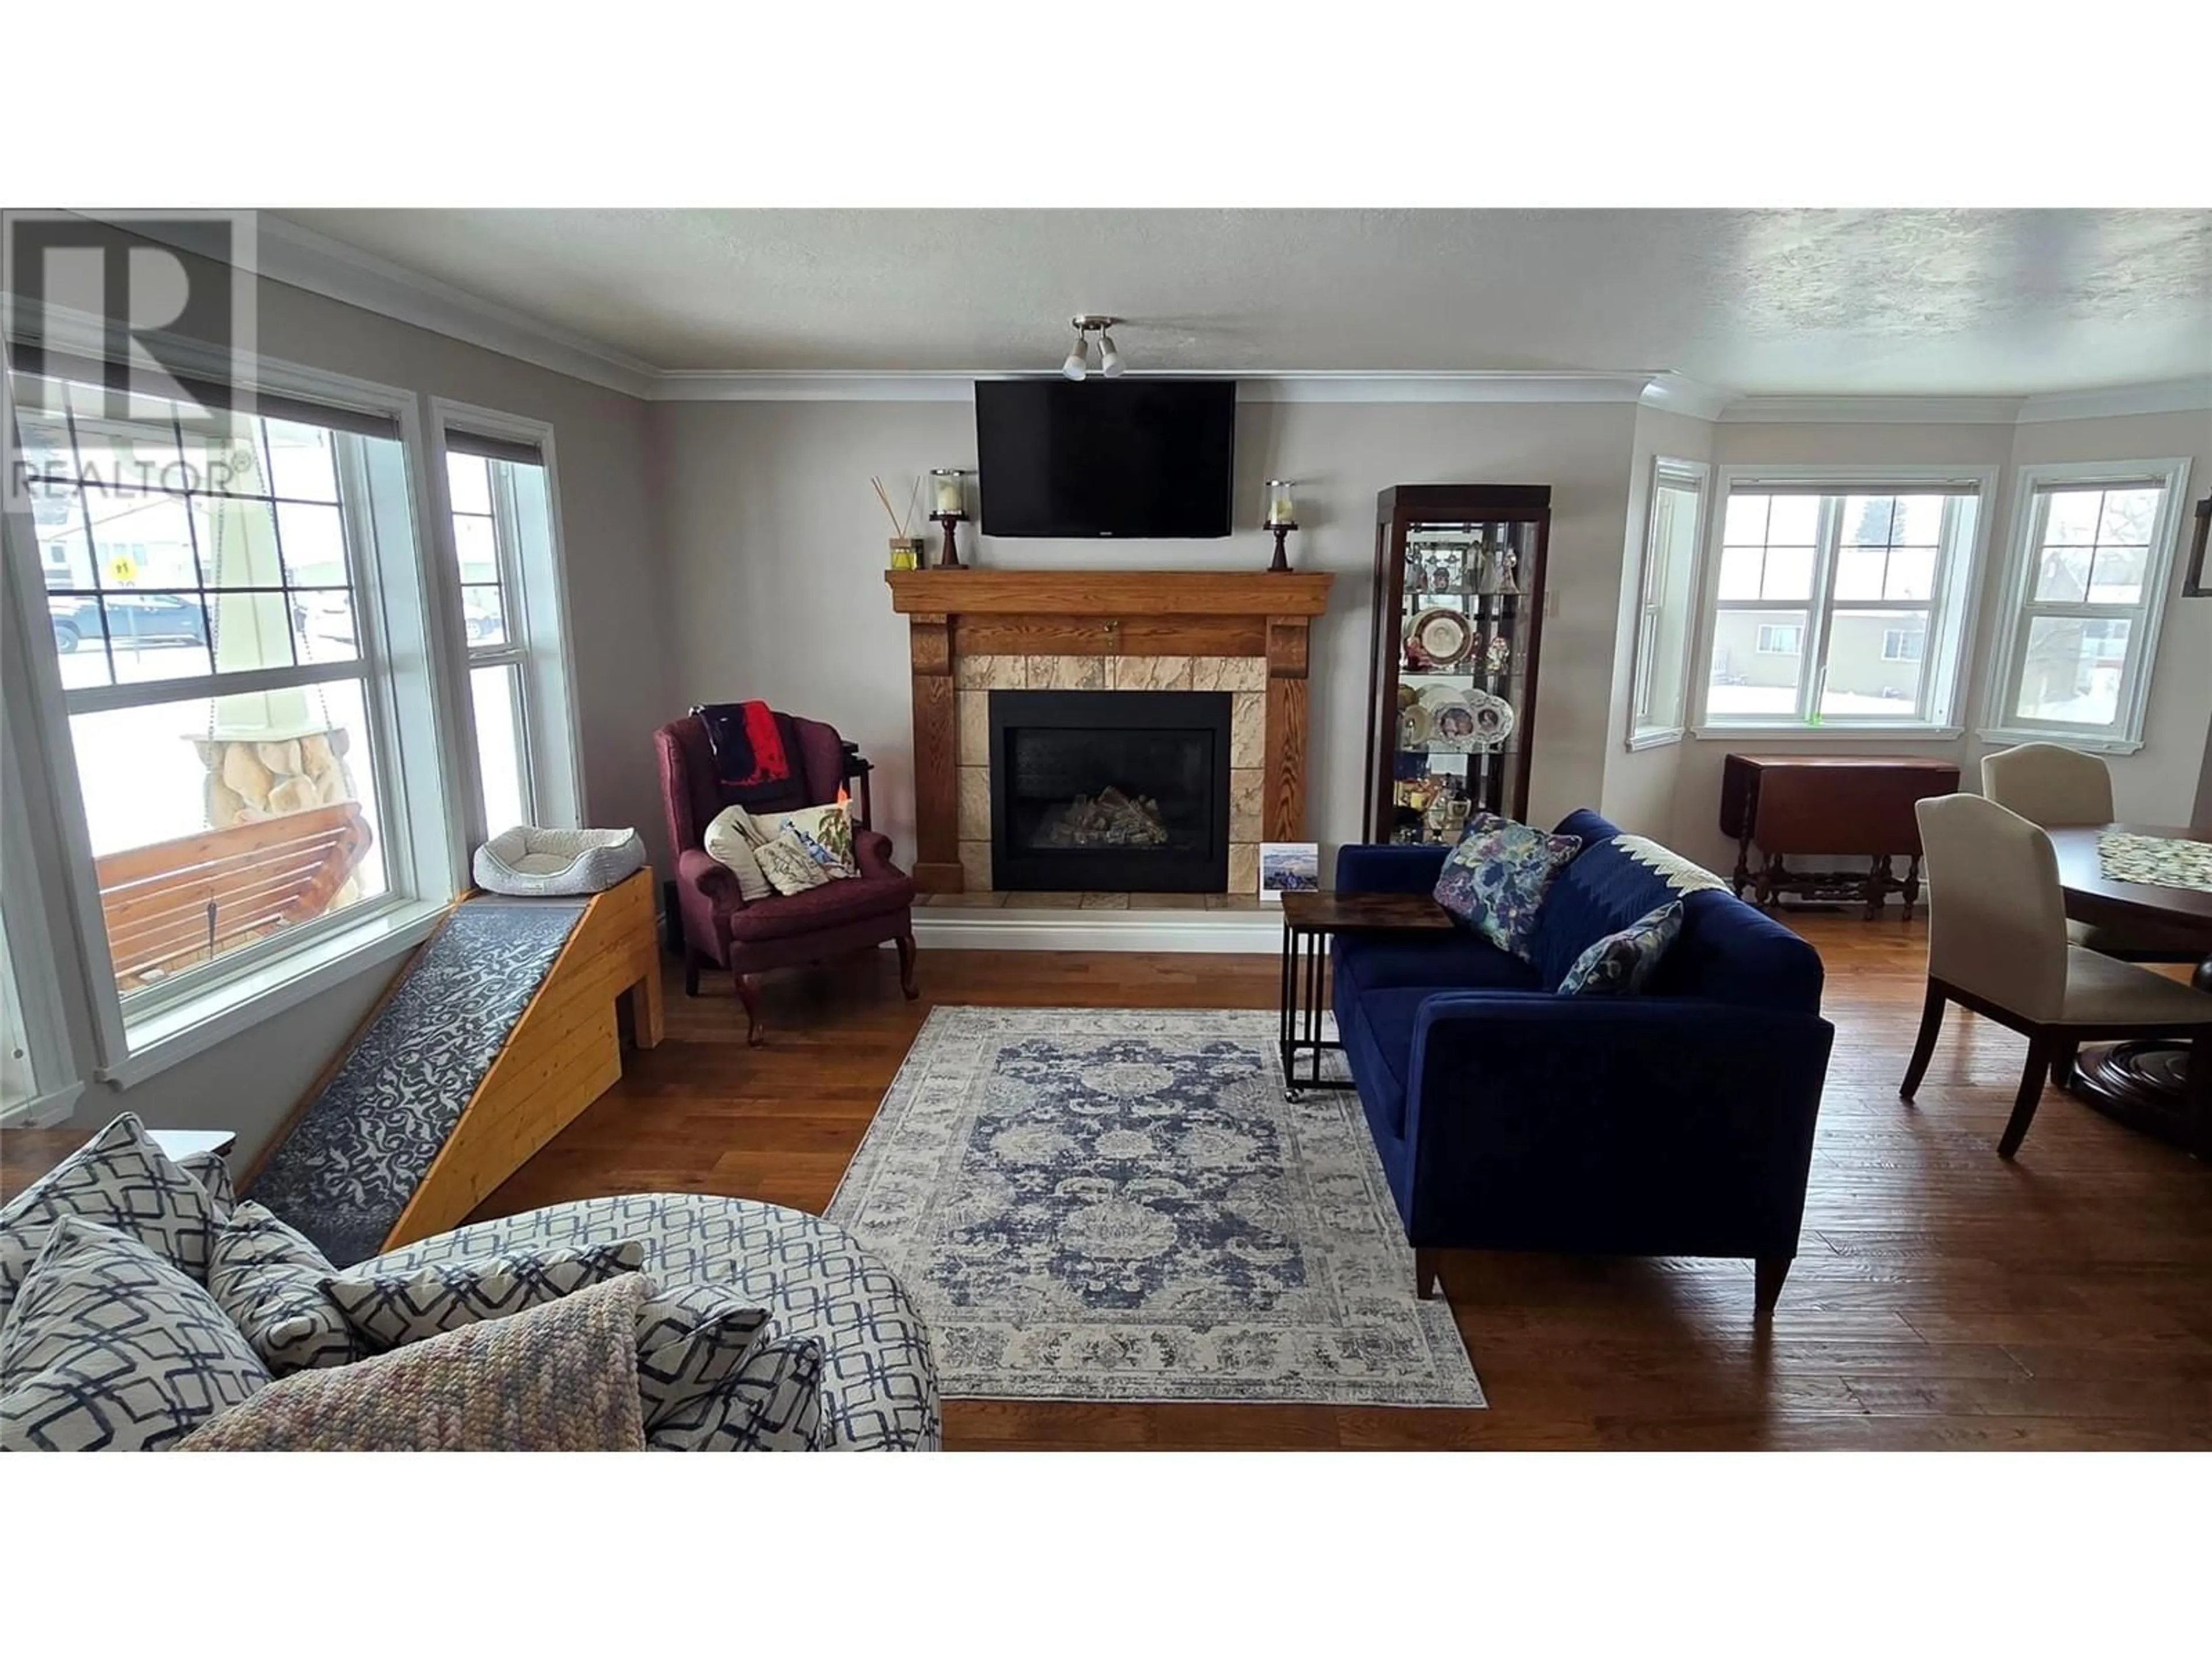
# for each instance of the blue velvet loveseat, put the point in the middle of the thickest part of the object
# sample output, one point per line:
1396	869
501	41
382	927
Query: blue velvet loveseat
1674	1123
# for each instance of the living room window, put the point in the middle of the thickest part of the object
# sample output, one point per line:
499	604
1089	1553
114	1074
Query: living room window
1665	597
2085	585
1837	599
242	738
505	556
18	1077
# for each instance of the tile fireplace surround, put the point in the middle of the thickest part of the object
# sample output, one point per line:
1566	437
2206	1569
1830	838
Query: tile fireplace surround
972	632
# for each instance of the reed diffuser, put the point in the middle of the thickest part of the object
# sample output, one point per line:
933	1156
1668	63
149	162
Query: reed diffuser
906	548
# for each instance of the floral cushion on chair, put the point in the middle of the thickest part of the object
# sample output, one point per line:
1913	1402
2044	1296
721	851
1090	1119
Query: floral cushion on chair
1622	963
789	867
1496	879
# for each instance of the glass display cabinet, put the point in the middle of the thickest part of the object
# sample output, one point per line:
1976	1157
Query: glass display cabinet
1459	616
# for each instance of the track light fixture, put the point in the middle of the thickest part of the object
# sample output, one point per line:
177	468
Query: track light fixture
1077	365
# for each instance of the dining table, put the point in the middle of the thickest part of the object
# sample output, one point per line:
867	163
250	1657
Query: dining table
2142	1084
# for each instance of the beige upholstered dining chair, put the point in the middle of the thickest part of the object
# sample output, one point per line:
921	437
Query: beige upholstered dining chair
1997	945
2051	785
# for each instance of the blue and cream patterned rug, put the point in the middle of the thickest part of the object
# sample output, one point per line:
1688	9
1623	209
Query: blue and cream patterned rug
1094	1203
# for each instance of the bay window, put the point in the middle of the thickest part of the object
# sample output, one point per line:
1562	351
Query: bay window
1665	599
2093	551
1841	599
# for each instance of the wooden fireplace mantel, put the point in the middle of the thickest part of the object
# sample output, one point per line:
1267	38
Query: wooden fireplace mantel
1130	613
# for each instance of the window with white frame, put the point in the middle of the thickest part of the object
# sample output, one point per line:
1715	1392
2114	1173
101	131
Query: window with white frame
2092	549
226	594
499	498
1839	604
18	1079
1666	593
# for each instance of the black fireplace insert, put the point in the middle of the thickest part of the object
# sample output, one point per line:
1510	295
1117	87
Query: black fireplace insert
1109	791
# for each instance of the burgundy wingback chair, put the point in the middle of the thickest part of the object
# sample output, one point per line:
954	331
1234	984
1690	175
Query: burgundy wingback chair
783	931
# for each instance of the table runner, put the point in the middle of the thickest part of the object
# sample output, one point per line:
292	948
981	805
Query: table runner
2155	860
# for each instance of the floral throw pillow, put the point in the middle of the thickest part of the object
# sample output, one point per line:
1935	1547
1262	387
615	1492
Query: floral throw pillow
826	832
1621	964
1496	879
789	867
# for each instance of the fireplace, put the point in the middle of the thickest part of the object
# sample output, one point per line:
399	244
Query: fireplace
1109	791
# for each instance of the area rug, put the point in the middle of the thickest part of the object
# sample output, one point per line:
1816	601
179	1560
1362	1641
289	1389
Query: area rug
1120	1204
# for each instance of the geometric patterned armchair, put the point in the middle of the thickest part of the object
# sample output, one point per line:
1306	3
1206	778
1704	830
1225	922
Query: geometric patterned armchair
721	926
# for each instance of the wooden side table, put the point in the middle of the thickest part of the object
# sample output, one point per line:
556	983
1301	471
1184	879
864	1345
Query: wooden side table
1797	806
1309	919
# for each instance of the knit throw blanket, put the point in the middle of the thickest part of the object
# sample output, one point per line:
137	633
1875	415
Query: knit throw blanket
559	1377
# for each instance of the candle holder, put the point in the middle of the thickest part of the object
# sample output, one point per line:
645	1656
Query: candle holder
1282	518
948	507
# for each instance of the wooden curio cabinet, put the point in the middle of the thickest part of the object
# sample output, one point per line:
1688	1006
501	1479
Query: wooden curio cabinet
1459	617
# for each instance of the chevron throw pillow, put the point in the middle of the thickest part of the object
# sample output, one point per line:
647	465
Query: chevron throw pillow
771	1402
111	1347
688	1343
118	1179
389	1310
268	1279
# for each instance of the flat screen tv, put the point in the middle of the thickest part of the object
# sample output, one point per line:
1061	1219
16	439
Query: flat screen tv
1105	457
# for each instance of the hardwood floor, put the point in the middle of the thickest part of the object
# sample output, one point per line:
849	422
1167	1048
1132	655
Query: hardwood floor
1942	1297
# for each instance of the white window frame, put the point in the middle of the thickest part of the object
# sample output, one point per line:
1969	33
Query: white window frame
41	1021
1949	608
402	665
2017	605
1796	647
1668	472
534	587
1900	637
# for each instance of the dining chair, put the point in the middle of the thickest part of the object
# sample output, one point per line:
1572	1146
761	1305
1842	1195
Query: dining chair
1997	945
2051	785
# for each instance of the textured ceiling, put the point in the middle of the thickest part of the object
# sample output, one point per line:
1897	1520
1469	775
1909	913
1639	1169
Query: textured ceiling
2008	302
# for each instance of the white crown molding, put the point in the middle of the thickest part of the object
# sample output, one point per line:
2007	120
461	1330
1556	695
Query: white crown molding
302	258
1679	394
337	271
1900	410
1252	386
2185	397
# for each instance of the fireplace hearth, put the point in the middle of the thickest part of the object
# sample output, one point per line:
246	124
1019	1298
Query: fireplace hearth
1112	791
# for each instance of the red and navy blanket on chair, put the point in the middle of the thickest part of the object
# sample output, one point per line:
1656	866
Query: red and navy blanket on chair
747	741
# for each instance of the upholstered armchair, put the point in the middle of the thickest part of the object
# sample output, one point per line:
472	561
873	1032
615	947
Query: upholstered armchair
785	931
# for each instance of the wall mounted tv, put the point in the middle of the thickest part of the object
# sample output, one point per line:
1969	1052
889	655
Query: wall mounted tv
1105	457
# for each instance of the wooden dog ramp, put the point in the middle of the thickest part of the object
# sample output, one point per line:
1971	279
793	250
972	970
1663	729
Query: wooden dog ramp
503	1028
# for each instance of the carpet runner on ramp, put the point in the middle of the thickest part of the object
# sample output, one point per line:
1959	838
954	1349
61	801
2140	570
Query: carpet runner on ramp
356	1154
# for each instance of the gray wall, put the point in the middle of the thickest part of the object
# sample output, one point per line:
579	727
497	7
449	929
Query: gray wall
775	551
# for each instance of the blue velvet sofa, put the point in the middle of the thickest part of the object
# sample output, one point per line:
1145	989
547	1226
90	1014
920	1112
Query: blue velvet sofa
1675	1122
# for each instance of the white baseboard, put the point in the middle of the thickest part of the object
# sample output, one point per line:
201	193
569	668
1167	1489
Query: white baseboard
1255	932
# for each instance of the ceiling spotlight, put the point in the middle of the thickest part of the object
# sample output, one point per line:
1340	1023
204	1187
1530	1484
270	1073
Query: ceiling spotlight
1088	323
